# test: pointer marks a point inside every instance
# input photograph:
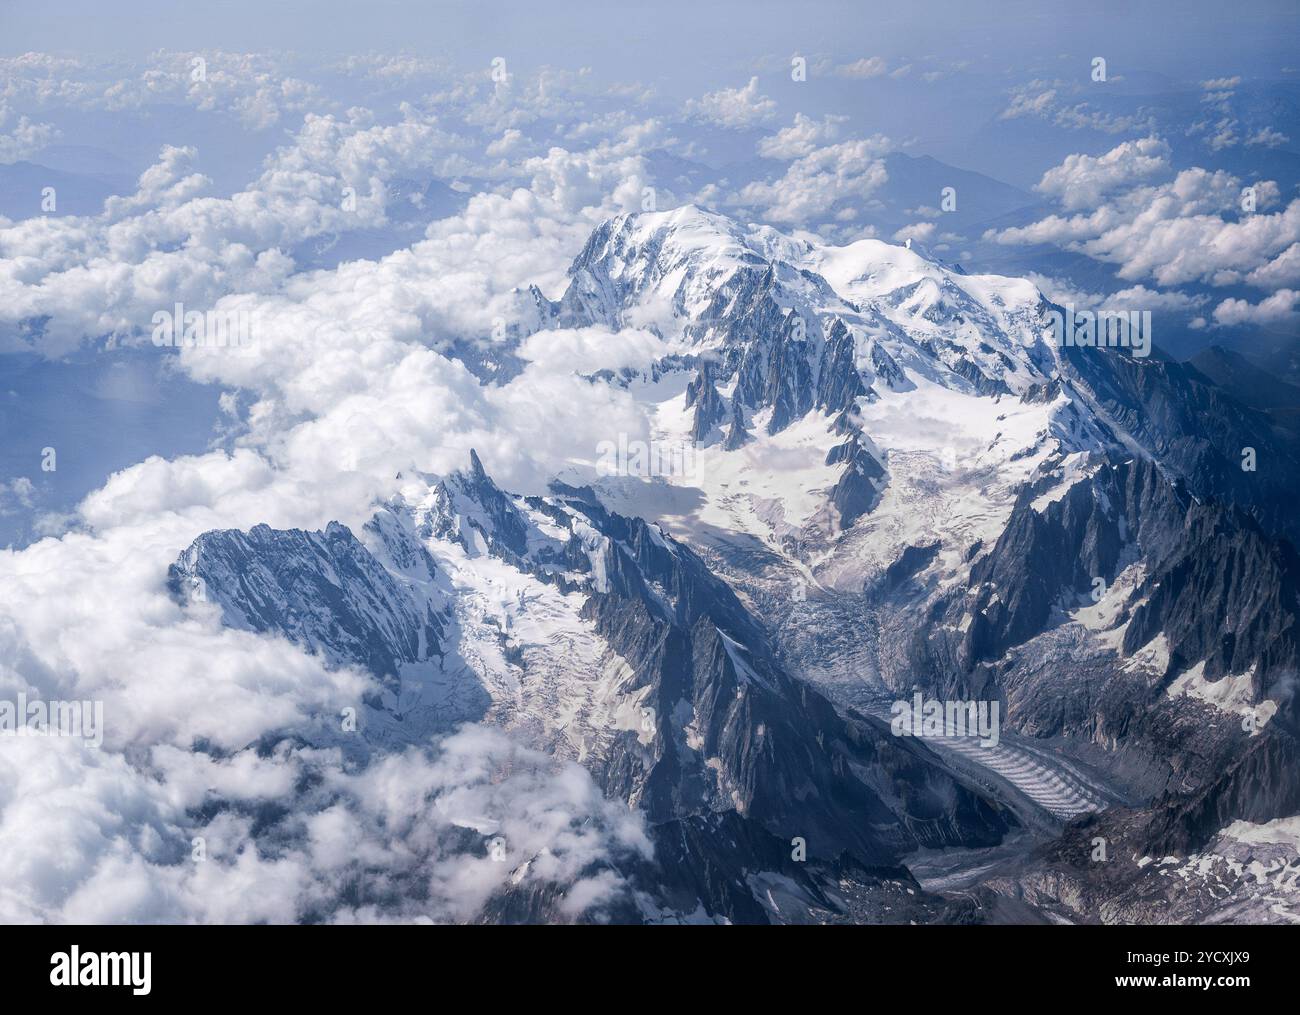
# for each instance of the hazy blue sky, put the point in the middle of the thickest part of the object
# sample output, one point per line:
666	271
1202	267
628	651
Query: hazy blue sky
679	43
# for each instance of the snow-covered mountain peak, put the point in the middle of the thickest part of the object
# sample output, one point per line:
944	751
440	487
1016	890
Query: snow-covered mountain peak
702	278
468	508
649	268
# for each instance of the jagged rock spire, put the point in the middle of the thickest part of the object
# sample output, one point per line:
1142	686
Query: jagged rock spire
709	408
737	435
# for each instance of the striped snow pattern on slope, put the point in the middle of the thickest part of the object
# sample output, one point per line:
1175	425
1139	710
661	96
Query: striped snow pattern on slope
1046	780
1050	783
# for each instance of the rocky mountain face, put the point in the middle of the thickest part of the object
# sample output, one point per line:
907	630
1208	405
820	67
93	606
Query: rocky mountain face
1186	684
324	590
903	488
1198	432
1215	586
723	741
